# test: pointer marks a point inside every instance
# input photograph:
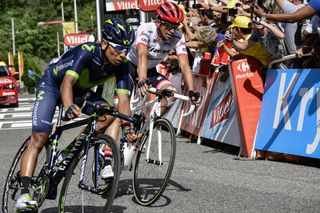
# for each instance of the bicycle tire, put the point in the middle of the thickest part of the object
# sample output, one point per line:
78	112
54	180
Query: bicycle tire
93	203
11	190
148	189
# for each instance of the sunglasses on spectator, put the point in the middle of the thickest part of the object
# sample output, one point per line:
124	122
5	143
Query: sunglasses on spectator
170	26
119	48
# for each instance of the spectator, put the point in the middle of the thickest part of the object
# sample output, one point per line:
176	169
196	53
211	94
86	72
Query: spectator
302	13
270	37
311	32
290	28
241	30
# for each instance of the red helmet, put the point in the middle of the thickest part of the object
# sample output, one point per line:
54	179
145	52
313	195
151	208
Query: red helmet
170	12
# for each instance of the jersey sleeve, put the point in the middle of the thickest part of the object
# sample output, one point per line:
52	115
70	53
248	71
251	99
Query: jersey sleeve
123	82
181	48
315	4
143	36
80	58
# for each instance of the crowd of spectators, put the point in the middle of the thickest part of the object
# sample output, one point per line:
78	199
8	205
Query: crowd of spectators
265	30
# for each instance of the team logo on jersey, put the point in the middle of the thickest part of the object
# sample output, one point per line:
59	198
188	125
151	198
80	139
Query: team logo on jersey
144	34
152	49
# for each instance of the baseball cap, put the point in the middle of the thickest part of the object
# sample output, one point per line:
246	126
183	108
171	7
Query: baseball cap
241	22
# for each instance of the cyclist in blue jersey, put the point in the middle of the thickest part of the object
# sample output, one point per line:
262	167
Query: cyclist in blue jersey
72	75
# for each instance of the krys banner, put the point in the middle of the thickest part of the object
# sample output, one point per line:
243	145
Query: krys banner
290	115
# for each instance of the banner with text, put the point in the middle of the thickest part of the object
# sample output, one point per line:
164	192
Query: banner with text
246	80
220	123
145	5
204	85
290	114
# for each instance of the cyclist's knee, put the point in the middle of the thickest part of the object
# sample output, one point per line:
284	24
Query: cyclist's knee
39	140
104	122
169	101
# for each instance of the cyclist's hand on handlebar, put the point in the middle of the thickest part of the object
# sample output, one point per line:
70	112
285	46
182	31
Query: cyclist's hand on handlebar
194	97
73	111
143	85
129	134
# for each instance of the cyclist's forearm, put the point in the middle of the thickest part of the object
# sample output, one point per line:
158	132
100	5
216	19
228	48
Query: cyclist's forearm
124	106
187	76
66	91
142	62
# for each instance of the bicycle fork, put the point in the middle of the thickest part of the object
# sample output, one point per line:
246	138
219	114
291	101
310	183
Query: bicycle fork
82	184
159	137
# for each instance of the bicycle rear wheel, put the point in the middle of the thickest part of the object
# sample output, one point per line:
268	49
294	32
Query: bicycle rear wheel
11	190
73	198
151	178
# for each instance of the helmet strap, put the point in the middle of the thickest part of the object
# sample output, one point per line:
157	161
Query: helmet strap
104	52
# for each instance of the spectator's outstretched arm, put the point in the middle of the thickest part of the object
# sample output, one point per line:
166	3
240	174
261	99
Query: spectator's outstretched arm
241	46
298	15
213	7
189	33
275	31
195	44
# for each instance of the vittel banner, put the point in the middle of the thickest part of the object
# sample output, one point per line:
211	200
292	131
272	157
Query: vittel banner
116	5
220	122
290	115
145	5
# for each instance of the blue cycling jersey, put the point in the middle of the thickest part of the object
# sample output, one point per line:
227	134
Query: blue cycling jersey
85	63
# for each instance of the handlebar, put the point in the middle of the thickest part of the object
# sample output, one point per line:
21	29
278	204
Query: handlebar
101	110
168	93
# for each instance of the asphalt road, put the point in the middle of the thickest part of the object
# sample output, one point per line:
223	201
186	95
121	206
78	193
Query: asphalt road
206	179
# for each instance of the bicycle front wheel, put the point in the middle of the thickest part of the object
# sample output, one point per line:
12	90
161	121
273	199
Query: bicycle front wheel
99	197
11	190
151	175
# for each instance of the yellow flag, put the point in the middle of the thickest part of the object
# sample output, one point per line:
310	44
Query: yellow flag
68	27
21	63
11	63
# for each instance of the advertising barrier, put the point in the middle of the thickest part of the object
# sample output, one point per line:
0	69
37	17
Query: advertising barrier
220	123
290	113
174	112
247	85
194	122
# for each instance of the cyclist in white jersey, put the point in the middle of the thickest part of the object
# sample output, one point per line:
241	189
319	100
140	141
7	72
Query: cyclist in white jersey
153	42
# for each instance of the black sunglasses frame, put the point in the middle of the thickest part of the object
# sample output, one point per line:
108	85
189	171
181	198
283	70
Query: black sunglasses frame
169	26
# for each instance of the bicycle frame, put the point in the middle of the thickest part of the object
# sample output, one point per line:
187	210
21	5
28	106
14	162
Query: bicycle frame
56	175
154	114
57	172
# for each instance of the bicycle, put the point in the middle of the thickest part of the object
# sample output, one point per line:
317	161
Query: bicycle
51	169
154	159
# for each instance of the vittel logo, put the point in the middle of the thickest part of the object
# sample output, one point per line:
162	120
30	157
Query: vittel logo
222	111
127	5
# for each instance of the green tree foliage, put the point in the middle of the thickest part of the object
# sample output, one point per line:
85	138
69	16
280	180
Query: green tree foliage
39	43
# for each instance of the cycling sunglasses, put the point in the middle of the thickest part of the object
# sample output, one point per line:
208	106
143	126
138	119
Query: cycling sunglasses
119	48
170	26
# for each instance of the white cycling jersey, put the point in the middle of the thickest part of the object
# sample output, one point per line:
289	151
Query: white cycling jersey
147	34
